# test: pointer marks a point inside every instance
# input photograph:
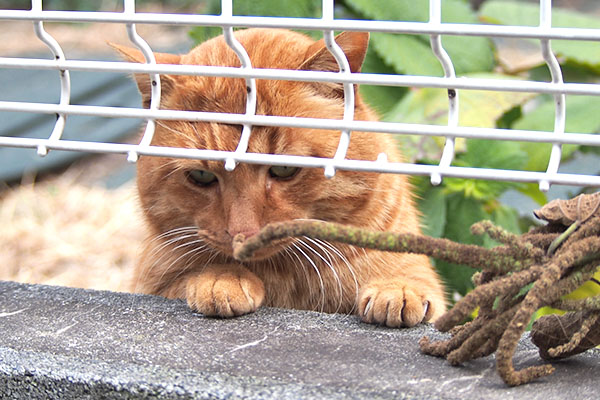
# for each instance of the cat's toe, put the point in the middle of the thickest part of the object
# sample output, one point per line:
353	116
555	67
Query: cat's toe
225	292
393	305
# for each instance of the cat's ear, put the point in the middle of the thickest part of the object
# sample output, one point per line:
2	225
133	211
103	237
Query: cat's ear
319	58
167	82
354	45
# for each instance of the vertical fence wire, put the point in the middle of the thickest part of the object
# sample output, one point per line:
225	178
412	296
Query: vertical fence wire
344	65
65	78
435	17
155	94
232	42
560	111
544	32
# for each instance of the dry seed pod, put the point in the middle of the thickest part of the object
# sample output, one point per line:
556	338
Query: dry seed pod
566	212
551	331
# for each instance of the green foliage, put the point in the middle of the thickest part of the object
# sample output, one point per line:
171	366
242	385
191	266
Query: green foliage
269	8
411	54
449	209
381	98
585	53
582	117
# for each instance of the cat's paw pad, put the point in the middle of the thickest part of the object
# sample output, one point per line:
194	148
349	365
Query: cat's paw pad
394	304
225	292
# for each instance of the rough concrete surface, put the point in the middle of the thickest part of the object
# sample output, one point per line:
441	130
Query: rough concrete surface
63	343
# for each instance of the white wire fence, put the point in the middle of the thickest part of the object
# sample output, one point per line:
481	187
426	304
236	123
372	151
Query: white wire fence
434	28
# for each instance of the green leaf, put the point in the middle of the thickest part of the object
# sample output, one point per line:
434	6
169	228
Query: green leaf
269	8
586	53
582	117
507	218
278	8
399	10
381	98
511	13
201	34
461	214
486	154
479	108
432	205
412	54
492	154
469	54
482	190
533	190
406	54
419	106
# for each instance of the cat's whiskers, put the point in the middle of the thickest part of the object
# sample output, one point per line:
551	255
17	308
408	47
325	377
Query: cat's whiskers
166	234
172	232
192	256
183	255
299	265
163	250
341	255
170	242
344	259
316	269
215	254
178	234
329	263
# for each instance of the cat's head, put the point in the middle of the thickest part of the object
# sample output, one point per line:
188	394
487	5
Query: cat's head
182	192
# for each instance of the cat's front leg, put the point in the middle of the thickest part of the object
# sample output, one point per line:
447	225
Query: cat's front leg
395	303
225	291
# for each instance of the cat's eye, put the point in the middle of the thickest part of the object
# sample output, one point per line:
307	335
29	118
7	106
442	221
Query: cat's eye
282	172
201	177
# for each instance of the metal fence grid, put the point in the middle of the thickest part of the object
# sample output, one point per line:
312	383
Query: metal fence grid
544	32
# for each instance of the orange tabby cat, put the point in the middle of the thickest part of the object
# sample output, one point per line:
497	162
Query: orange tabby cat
194	208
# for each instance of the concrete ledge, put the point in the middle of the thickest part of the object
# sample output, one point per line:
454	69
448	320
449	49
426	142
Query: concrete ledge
63	343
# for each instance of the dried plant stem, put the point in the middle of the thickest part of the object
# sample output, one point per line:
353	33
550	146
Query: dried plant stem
562	237
523	274
490	290
443	249
480	343
521	249
516	327
442	348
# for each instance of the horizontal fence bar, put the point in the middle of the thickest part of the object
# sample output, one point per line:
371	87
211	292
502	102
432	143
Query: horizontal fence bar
424	28
303	122
508	85
543	33
305	161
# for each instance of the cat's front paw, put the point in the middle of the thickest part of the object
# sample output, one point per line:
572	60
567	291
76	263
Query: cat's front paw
394	304
225	291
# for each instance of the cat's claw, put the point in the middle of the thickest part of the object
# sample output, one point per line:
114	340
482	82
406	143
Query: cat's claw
393	305
225	291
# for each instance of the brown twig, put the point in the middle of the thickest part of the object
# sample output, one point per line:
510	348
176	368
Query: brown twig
523	274
501	259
